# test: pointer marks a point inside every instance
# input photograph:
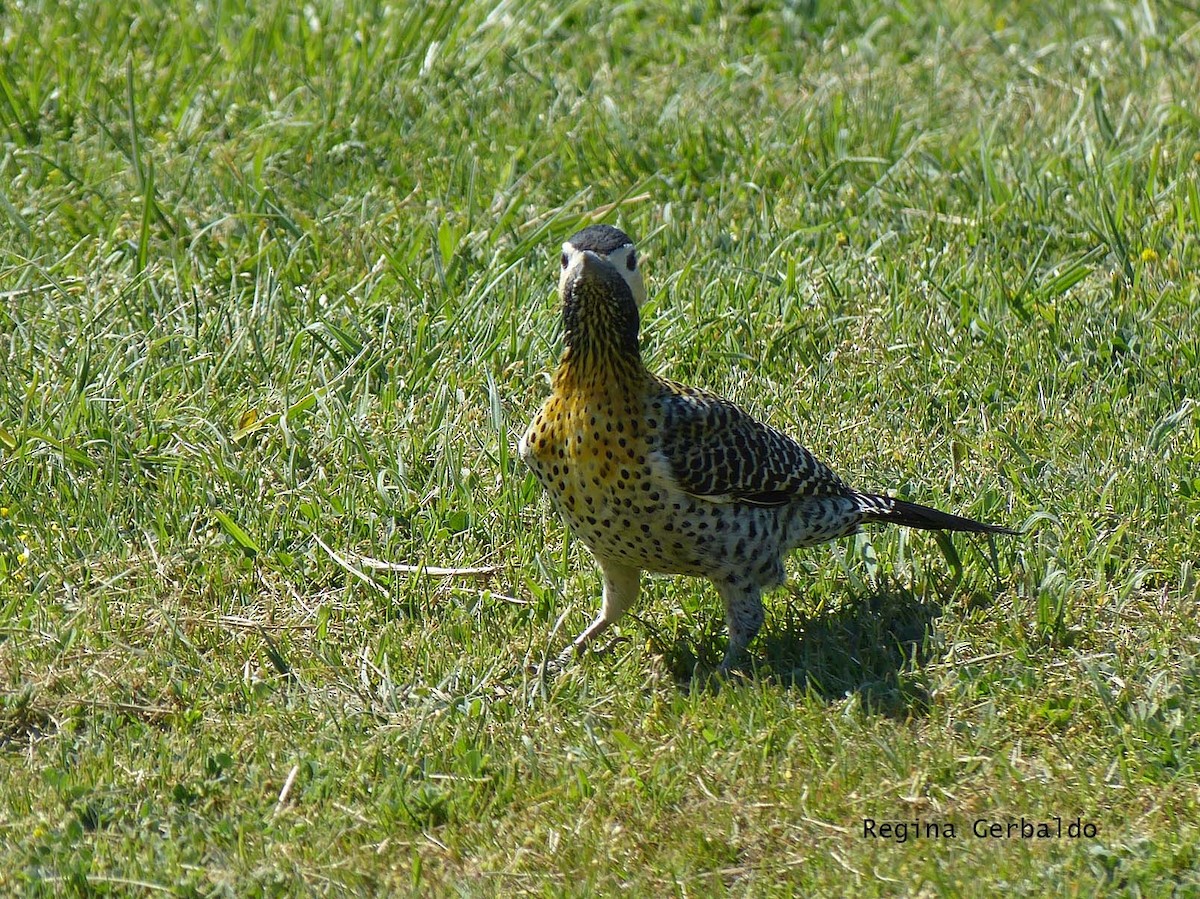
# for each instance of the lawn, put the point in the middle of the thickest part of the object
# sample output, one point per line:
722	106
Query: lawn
277	300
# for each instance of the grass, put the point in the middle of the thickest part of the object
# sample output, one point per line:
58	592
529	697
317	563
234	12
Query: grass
276	276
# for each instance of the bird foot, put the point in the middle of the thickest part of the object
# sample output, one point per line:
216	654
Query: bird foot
609	646
548	667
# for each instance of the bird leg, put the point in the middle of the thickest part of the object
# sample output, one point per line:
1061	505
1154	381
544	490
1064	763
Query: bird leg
621	585
743	616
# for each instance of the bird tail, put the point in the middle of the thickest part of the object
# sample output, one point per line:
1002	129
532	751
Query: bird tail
889	510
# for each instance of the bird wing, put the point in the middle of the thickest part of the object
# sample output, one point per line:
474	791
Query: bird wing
712	449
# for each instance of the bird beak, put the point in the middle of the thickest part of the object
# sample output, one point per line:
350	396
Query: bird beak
587	263
591	260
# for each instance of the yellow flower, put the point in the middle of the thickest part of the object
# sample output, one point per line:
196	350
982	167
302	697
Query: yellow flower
1149	255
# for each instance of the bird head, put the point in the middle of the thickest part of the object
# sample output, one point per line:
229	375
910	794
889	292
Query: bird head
600	314
612	245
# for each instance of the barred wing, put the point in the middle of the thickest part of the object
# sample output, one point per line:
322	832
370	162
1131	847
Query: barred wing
715	450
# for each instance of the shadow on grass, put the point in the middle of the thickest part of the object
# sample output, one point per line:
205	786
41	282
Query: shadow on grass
871	644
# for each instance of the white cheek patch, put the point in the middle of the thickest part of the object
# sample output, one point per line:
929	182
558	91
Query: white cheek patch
637	287
573	270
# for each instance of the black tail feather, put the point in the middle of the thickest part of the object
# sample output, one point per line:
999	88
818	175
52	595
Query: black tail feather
889	510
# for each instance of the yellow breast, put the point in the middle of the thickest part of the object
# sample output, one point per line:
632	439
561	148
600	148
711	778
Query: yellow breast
583	448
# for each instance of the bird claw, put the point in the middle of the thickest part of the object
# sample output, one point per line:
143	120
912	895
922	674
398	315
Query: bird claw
609	646
549	668
546	668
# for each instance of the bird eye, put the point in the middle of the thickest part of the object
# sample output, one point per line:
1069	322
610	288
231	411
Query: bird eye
564	260
631	262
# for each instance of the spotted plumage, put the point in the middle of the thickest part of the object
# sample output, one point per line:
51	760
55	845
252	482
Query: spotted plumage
655	476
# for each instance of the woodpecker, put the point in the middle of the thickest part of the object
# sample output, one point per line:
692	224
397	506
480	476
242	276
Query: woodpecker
656	476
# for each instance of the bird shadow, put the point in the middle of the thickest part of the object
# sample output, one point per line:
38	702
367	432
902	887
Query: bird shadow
872	644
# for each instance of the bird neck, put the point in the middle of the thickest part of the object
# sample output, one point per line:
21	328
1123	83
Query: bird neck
582	369
601	337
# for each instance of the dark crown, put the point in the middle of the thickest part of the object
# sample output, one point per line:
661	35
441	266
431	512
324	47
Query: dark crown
601	239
